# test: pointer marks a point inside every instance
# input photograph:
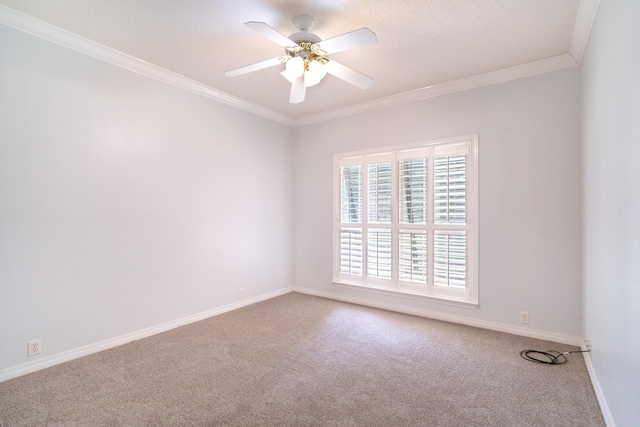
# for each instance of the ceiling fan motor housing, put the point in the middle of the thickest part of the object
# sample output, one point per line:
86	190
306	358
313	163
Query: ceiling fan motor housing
305	36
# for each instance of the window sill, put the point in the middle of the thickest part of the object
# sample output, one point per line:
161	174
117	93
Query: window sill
421	297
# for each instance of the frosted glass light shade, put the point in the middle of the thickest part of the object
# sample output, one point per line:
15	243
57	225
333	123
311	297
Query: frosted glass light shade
315	74
318	69
310	79
295	66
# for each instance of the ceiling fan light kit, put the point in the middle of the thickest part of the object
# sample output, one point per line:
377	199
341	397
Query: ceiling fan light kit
306	62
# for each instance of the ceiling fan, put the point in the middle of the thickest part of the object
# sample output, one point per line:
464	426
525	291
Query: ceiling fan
305	59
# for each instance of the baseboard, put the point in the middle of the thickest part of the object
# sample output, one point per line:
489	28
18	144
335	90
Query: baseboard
604	408
76	353
495	326
56	359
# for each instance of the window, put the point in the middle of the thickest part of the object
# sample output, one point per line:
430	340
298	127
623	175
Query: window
406	220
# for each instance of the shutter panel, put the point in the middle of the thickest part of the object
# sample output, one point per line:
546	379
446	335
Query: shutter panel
379	254
450	255
351	194
412	257
379	195
450	189
413	191
351	251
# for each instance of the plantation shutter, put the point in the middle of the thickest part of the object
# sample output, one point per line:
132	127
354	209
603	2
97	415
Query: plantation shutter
379	252
450	260
450	189
406	219
412	253
379	195
413	191
450	193
351	251
351	194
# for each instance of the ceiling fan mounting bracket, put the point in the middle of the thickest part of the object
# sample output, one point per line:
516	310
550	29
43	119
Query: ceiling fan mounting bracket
303	22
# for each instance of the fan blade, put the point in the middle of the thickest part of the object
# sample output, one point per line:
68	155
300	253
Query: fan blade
256	67
273	35
349	75
357	38
297	91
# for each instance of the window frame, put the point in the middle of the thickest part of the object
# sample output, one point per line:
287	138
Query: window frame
467	297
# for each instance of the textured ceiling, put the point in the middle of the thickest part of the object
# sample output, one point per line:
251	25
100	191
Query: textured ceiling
420	42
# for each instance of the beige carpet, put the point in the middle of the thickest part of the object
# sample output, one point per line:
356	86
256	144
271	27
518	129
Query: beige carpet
299	360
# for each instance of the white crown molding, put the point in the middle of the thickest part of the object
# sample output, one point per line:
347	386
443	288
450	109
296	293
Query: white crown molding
584	21
512	73
76	353
463	320
33	26
582	29
30	25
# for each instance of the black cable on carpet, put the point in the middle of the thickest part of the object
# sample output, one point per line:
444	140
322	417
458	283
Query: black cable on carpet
550	357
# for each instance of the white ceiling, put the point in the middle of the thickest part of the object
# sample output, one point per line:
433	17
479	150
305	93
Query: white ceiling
421	43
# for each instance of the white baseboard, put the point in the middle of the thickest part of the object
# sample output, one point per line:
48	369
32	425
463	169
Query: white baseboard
494	326
76	353
56	359
604	408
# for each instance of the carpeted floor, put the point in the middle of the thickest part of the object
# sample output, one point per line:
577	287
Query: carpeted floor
299	360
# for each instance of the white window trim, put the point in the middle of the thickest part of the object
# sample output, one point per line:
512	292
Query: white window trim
469	297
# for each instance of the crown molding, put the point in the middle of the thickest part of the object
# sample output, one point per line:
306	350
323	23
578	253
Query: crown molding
587	10
584	21
506	74
30	25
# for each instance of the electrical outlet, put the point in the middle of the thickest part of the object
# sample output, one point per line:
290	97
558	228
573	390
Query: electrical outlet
34	348
524	317
587	343
263	287
240	292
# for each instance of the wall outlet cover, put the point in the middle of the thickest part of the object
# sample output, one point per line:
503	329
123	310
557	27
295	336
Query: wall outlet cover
34	348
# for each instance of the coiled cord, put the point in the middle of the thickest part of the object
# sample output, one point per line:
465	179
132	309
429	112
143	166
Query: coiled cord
550	357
